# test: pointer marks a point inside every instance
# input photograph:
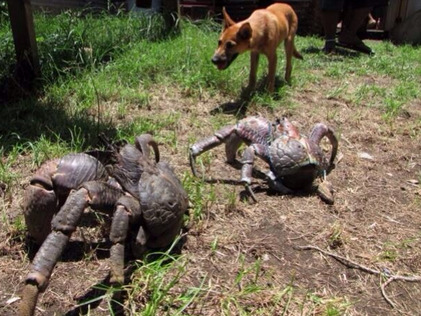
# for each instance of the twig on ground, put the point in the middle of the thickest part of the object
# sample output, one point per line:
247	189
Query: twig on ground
351	264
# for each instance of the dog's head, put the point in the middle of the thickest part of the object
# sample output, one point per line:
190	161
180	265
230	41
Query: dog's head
234	40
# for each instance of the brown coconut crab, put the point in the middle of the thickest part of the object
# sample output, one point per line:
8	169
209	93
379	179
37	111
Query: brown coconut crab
146	200
295	161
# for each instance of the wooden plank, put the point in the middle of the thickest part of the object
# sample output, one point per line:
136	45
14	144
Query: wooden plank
22	23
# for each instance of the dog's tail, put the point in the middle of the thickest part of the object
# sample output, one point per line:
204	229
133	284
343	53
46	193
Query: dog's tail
293	23
296	54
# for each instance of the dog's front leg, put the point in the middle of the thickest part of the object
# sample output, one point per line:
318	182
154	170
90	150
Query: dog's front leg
254	63
271	71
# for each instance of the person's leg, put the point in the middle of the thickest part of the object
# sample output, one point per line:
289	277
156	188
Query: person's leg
353	19
355	14
329	21
329	13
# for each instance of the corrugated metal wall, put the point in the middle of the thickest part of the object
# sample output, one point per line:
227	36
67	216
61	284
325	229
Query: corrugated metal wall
69	4
309	22
307	12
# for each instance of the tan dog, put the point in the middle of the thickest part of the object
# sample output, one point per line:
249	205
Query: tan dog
261	33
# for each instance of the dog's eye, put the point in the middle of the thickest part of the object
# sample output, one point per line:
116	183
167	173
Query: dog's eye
219	43
229	45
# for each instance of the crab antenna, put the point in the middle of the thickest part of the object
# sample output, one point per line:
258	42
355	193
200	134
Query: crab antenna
105	141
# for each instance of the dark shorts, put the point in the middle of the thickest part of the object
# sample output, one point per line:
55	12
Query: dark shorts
339	5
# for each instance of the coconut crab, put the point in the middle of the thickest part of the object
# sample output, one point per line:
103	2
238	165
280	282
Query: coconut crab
146	200
295	161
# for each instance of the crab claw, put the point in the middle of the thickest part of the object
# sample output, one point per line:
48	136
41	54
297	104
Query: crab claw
325	191
319	131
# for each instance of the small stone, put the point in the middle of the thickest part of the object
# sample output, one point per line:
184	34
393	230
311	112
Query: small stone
364	155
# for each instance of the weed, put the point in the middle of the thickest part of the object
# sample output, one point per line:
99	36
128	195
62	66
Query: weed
214	245
7	176
231	199
335	238
200	199
154	278
333	306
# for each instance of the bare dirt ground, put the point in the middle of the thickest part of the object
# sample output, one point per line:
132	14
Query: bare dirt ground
375	221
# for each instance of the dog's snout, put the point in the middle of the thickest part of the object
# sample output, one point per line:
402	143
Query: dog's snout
220	61
216	59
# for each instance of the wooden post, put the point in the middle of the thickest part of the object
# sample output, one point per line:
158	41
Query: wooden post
21	20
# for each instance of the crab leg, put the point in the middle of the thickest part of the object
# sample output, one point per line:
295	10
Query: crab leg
208	143
127	210
247	160
97	195
247	169
63	225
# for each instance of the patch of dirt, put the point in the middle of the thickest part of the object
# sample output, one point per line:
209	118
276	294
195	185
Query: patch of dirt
375	220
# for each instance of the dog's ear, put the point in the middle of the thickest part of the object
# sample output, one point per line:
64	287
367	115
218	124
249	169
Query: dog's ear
245	32
227	19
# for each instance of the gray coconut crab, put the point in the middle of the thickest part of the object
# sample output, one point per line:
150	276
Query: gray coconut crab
146	200
294	160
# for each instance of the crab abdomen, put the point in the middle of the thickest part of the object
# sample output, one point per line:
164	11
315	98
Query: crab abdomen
50	186
292	163
75	169
163	202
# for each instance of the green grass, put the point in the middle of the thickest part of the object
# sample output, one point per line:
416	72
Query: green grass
124	64
95	67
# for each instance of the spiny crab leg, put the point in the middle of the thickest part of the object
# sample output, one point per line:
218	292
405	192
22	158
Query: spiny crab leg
98	195
199	148
128	208
63	225
247	160
192	161
227	135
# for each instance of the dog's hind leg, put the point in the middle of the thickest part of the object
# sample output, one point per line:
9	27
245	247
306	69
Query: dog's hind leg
289	50
272	60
